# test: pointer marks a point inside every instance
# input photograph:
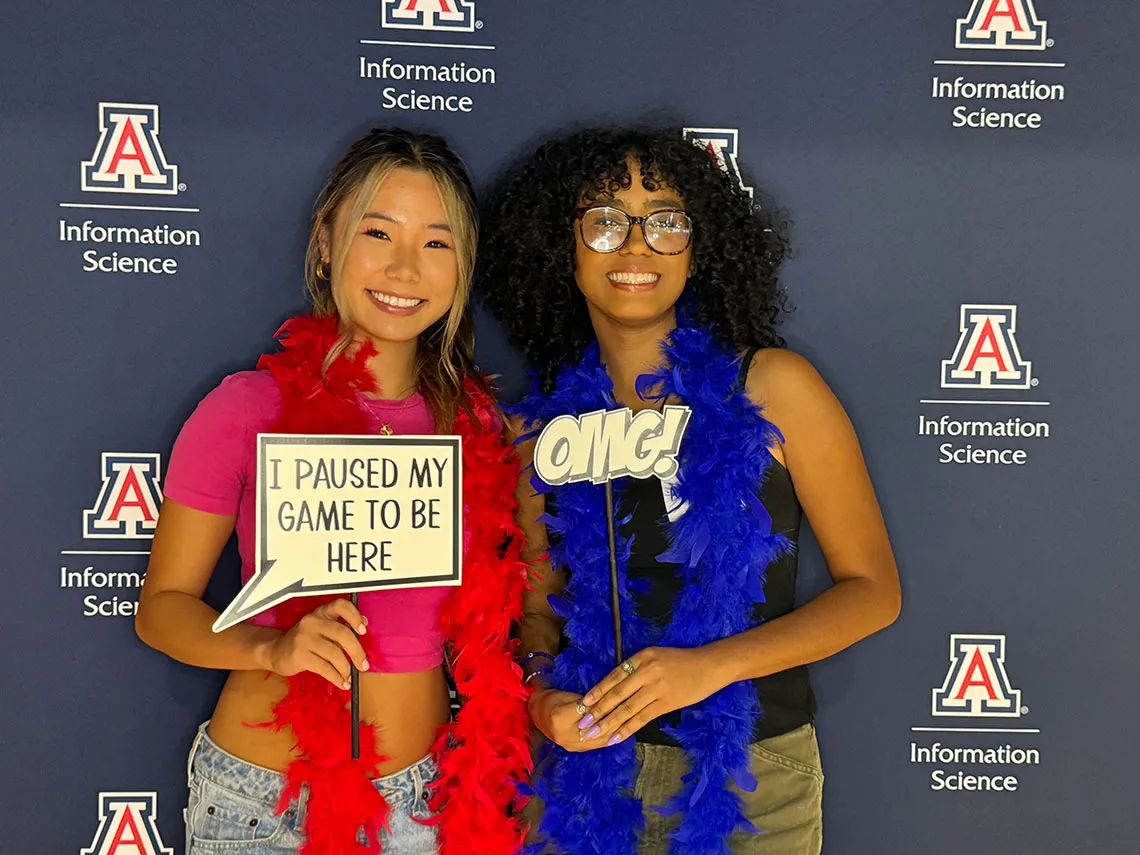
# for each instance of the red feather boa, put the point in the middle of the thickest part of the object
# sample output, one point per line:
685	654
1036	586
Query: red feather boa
486	749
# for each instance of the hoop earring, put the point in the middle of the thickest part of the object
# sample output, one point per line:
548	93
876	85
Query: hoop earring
323	270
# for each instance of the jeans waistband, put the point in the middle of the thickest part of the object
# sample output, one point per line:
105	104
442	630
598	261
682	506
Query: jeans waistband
220	767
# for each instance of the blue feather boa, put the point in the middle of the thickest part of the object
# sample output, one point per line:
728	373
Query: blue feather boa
723	543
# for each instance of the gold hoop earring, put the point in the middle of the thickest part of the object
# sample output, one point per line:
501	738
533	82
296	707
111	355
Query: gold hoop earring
324	270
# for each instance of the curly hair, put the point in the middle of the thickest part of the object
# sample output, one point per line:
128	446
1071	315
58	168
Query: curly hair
526	263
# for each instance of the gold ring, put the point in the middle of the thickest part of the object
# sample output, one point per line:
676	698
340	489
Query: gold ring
628	667
581	708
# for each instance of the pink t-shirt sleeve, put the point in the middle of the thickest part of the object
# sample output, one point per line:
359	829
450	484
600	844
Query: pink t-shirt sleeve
209	460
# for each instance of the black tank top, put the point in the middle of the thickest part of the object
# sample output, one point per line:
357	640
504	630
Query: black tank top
786	698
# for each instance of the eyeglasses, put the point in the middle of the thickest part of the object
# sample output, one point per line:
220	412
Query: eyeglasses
606	229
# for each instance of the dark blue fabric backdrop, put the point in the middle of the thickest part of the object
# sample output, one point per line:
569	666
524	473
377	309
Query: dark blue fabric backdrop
965	188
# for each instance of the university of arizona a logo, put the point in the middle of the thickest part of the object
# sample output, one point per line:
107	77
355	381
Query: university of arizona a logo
128	157
127	826
976	683
128	501
1002	25
430	15
986	356
721	143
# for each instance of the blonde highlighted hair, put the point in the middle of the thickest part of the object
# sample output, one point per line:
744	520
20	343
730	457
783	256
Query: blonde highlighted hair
445	354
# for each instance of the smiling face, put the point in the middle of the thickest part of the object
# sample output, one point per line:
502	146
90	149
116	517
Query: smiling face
634	285
399	272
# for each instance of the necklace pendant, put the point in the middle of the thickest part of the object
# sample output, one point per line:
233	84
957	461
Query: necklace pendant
386	430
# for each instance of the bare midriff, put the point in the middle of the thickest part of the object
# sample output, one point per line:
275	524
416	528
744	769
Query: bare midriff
407	710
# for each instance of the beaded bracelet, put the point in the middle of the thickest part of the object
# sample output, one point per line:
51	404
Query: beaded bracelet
544	670
538	672
529	656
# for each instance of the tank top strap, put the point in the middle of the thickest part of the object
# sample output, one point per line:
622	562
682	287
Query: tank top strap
745	364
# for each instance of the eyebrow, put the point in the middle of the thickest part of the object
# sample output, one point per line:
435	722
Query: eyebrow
376	215
666	203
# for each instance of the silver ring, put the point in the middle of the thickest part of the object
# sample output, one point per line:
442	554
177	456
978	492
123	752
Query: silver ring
581	708
628	667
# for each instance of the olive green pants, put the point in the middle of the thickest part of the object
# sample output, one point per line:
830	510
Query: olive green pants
786	805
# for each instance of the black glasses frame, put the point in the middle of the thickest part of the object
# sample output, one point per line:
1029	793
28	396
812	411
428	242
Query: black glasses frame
580	213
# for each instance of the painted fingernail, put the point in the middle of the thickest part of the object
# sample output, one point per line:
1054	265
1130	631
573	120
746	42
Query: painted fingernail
360	630
594	732
615	739
364	665
586	721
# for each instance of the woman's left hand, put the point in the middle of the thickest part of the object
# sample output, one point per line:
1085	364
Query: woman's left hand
663	679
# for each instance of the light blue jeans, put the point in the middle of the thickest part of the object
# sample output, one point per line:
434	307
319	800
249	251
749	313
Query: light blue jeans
232	807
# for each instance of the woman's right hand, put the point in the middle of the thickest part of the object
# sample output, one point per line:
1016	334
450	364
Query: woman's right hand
322	642
556	715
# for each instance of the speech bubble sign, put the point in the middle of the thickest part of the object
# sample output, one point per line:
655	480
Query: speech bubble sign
338	514
607	444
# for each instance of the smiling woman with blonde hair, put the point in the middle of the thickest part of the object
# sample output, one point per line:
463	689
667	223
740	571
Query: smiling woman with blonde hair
388	349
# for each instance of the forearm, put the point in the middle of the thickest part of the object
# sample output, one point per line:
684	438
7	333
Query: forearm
539	630
539	639
845	613
539	633
181	626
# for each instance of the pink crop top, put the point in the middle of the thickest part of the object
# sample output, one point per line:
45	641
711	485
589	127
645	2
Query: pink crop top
212	469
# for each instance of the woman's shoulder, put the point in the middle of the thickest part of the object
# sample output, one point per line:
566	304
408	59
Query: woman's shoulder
255	383
251	398
213	456
783	379
775	366
796	399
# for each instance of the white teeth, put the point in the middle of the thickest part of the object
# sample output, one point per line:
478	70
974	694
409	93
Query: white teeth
399	302
633	278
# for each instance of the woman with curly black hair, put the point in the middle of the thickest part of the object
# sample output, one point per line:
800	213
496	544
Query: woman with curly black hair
634	272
